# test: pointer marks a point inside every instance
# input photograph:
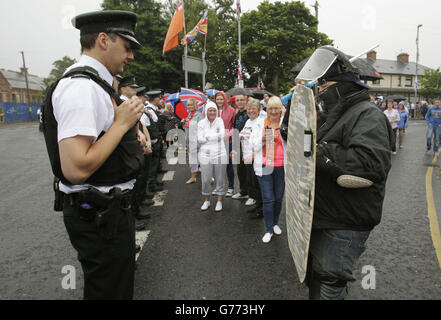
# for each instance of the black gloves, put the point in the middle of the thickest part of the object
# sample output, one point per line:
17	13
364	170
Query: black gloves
284	131
326	166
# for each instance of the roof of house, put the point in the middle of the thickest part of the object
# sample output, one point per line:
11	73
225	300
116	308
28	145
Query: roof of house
384	66
17	80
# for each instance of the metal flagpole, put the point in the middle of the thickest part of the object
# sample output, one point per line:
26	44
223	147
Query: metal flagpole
417	59
203	58
185	49
203	63
238	10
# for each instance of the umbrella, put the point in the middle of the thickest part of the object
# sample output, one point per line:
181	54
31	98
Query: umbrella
172	97
238	91
367	71
396	97
212	92
258	94
186	94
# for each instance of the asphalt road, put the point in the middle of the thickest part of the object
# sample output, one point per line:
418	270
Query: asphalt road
194	255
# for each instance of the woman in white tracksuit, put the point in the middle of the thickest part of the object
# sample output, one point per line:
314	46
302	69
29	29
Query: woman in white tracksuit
212	155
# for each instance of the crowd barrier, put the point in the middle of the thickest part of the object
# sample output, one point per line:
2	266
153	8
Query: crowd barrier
18	112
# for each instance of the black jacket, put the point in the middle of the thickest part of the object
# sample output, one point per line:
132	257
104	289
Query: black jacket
358	138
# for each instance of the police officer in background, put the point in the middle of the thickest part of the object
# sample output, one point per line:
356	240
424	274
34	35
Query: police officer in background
128	87
152	109
99	156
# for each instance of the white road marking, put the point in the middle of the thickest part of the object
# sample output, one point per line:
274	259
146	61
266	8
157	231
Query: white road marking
173	161
159	198
141	239
168	176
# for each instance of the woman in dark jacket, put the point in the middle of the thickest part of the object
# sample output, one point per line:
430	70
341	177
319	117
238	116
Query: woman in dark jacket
170	120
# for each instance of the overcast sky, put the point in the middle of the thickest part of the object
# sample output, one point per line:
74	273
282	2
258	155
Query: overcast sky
42	29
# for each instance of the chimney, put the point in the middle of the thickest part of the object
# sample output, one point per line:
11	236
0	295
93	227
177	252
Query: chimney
403	57
372	55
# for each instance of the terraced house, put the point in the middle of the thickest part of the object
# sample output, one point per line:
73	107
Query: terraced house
398	76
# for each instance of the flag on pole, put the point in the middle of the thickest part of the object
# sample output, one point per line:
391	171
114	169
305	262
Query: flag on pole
238	9
200	28
239	71
176	26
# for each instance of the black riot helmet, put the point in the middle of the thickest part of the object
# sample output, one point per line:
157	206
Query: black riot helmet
325	64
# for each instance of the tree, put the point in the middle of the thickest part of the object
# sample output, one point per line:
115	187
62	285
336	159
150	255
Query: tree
150	67
275	37
59	67
431	84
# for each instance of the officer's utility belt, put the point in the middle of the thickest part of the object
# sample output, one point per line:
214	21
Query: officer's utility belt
102	208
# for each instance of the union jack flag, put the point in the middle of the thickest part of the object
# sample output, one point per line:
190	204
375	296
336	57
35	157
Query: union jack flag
239	71
238	9
199	96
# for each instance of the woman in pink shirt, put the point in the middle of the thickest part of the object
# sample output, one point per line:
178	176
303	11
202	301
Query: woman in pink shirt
269	168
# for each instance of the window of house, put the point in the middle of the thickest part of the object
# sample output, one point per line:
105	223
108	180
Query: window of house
13	97
376	81
399	81
409	81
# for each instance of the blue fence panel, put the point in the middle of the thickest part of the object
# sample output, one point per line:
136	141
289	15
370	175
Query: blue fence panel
19	112
35	107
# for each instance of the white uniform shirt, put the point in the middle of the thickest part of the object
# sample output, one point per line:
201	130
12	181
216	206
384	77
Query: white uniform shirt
154	116
82	107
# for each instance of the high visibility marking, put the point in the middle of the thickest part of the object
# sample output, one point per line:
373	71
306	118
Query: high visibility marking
168	176
159	198
141	239
433	218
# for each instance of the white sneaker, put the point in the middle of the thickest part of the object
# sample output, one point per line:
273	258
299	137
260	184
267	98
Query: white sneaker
239	196
205	206
267	237
218	206
229	193
277	230
250	202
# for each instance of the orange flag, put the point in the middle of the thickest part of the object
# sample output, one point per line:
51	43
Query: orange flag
176	26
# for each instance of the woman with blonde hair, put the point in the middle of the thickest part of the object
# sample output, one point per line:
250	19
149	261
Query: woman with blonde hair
269	149
190	125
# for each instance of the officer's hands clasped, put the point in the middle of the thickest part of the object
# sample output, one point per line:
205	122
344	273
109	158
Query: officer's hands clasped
129	112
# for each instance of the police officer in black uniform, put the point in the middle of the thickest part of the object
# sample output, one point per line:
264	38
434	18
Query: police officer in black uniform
152	110
91	137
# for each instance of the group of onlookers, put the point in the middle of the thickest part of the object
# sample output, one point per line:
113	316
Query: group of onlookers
400	113
244	132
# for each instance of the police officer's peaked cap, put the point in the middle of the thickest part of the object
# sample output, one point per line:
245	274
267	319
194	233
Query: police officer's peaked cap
119	77
122	23
141	91
128	81
154	93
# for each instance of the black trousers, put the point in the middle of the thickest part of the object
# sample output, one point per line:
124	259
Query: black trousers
155	161
242	175
253	186
108	265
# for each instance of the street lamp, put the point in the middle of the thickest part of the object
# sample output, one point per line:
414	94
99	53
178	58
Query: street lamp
417	59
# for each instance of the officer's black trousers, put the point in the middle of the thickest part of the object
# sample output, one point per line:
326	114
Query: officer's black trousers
108	265
154	163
